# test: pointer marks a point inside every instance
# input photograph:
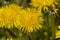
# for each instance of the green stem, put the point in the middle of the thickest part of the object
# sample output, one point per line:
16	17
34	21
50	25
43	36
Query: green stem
52	25
47	25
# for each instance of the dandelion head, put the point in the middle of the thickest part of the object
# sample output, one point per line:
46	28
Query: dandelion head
45	4
9	14
39	3
29	20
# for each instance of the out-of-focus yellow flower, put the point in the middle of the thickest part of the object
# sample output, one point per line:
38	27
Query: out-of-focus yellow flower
8	15
44	3
39	3
59	27
58	34
29	20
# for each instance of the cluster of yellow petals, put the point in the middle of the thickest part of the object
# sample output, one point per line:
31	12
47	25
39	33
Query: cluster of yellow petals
8	15
29	20
40	3
44	3
58	34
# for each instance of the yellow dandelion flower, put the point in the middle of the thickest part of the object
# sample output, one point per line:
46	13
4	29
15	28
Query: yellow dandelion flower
29	20
39	3
58	34
44	4
8	15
